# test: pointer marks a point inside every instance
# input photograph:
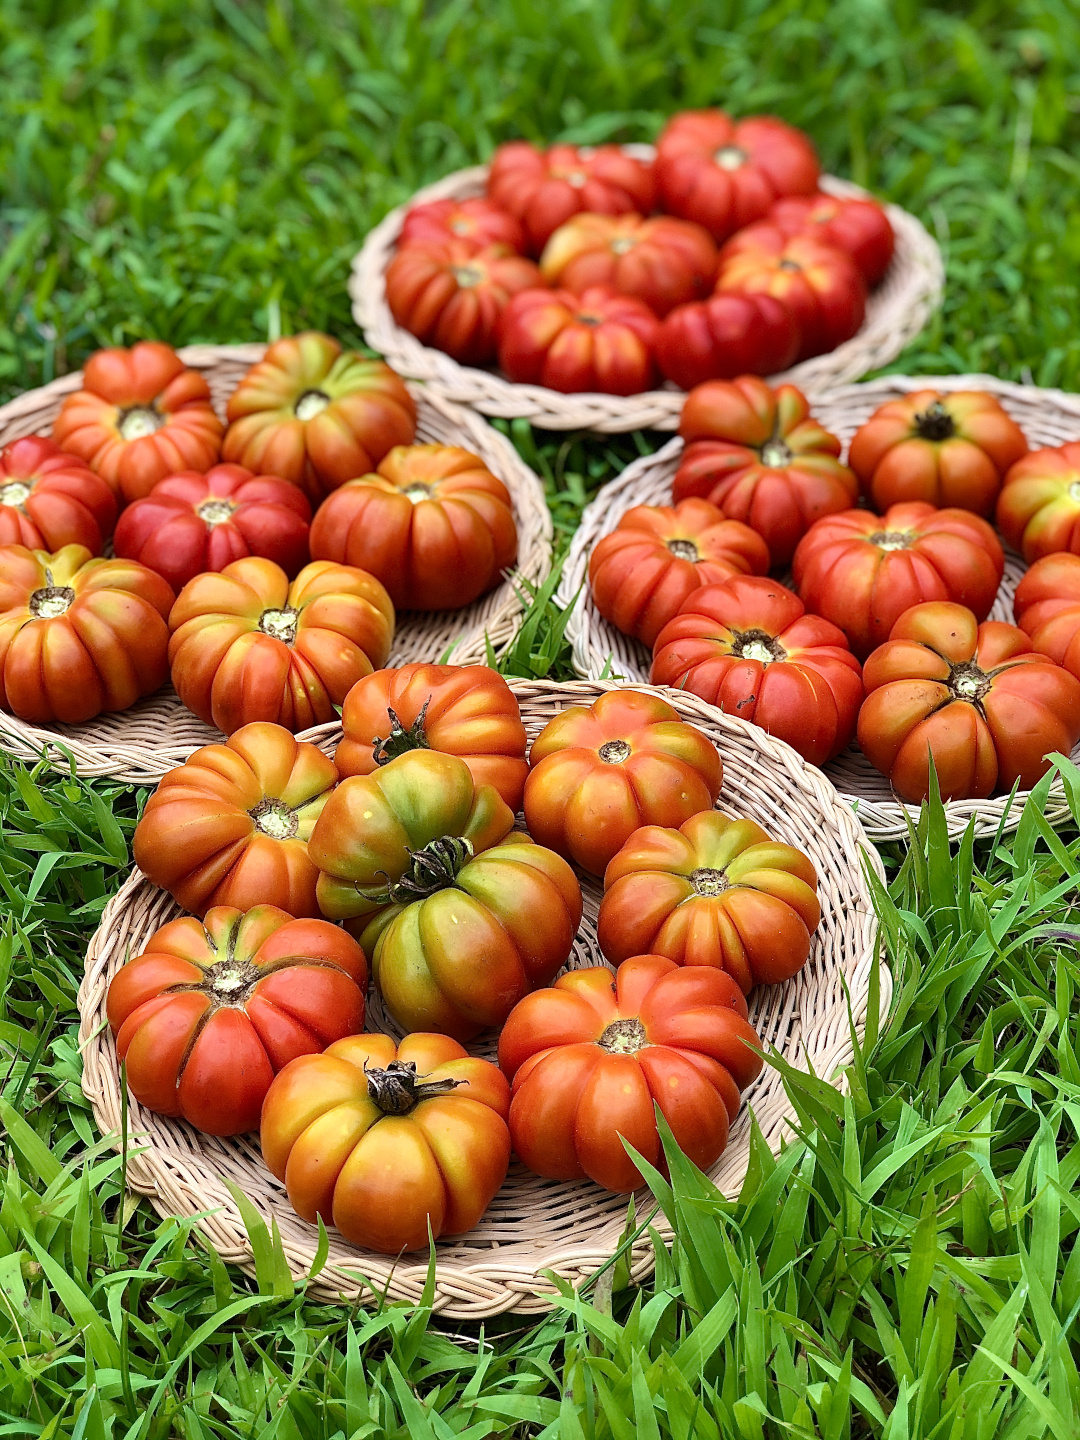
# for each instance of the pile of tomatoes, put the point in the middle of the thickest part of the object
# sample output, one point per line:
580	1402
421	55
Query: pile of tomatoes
597	271
399	858
882	635
259	562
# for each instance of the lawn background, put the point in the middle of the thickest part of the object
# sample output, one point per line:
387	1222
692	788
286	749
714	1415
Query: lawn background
910	1268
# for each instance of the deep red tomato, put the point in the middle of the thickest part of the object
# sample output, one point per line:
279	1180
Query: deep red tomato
725	336
477	220
724	173
601	771
49	499
717	892
230	826
748	647
384	1141
860	228
433	524
1047	608
596	342
141	415
641	573
759	456
247	645
1038	510
78	636
463	710
862	571
193	523
452	294
663	261
818	283
973	698
316	415
945	449
544	188
591	1058
211	1010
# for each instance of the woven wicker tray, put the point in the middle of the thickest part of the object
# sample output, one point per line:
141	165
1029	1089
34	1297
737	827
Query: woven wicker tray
896	311
1047	417
533	1225
140	744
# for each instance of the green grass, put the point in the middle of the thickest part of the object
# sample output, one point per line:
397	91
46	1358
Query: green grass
909	1268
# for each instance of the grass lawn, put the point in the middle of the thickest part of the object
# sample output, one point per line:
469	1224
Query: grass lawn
909	1268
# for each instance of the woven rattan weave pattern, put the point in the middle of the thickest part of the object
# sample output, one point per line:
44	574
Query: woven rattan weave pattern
140	744
1047	417
896	311
533	1225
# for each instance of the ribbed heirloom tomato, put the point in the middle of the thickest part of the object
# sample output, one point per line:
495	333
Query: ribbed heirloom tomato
544	188
718	892
191	523
862	571
383	1142
477	220
591	1058
973	698
599	341
663	261
433	524
213	1009
231	825
247	645
463	710
858	227
49	499
1047	608
1038	510
725	336
724	173
748	646
78	636
141	415
601	771
316	415
950	449
759	456
641	573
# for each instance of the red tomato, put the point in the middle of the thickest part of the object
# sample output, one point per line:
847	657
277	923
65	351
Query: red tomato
193	523
433	524
544	188
141	415
601	771
49	499
78	637
716	891
211	1010
748	647
944	449
452	294
758	455
463	710
973	698
592	1056
725	336
247	645
1047	608
858	227
862	571
724	173
317	415
477	220
595	342
384	1142
641	573
1038	510
818	283
663	261
230	826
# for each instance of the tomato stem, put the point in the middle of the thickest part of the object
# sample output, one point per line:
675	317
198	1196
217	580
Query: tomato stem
707	881
757	645
275	818
398	1089
683	549
730	157
15	494
281	624
624	1037
51	601
216	511
310	404
968	682
774	453
139	421
615	752
935	423
400	741
891	539
433	868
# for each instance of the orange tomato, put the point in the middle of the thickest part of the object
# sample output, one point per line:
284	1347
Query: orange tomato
49	499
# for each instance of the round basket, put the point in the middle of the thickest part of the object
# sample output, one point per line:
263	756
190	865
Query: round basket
533	1225
139	745
896	311
1047	417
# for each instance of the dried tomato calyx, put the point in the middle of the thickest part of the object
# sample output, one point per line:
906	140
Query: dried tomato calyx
229	983
139	421
417	491
730	157
892	539
614	752
51	601
433	868
311	403
757	645
216	510
400	740
935	423
281	624
683	549
624	1037
967	682
774	454
398	1089
15	494
275	818
707	881
467	275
